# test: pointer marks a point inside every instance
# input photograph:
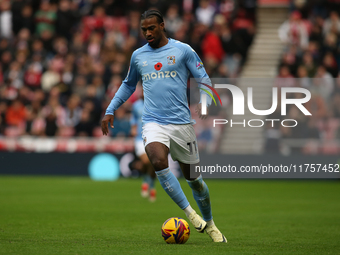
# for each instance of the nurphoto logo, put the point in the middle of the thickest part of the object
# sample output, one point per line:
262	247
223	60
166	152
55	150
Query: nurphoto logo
238	100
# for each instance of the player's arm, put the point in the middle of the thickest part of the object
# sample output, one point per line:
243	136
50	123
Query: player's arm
198	110
133	121
105	123
124	92
196	68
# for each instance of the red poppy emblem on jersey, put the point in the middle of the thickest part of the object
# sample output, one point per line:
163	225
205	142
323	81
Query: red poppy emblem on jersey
158	66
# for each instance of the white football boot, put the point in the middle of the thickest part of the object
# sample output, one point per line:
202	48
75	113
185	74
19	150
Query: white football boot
215	234
197	221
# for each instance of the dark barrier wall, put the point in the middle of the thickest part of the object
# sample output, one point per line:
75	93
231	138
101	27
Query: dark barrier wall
45	163
245	166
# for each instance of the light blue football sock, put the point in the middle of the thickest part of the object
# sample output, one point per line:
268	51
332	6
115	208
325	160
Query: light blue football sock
201	194
171	186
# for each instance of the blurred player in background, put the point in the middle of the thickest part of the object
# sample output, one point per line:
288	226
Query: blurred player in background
164	65
148	185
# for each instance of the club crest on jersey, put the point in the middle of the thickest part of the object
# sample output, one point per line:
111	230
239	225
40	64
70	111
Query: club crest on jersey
199	65
171	60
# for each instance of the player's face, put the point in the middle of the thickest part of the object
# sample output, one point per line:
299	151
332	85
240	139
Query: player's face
152	31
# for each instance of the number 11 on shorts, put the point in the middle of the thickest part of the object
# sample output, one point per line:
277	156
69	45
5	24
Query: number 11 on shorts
191	149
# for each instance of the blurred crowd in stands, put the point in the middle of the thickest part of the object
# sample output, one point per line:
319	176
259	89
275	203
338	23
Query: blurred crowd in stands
61	61
311	60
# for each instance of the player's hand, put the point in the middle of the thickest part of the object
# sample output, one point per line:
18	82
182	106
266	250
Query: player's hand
199	112
105	123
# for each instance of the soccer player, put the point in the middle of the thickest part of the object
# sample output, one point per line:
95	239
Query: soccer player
164	65
148	185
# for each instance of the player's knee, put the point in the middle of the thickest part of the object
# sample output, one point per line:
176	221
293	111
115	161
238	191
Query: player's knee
159	164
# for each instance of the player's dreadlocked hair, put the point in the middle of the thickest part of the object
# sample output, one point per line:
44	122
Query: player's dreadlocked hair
153	13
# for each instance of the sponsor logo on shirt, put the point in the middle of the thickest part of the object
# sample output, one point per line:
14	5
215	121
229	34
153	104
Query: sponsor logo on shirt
145	63
159	75
171	60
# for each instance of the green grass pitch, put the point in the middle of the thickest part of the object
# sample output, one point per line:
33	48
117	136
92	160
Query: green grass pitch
72	215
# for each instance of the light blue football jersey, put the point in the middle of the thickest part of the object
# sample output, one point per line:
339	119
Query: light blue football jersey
164	72
136	118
